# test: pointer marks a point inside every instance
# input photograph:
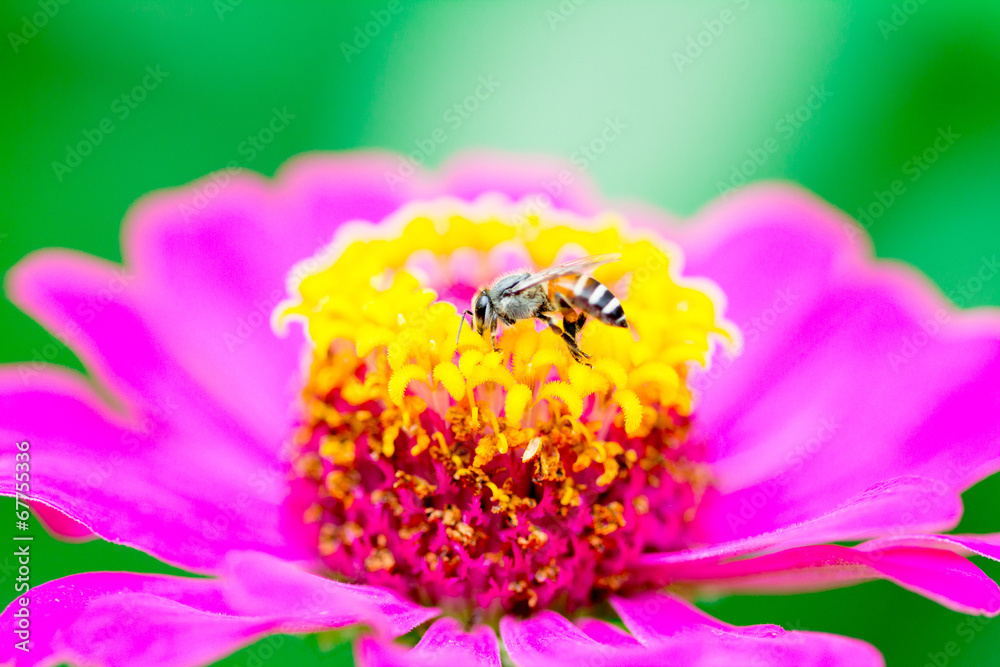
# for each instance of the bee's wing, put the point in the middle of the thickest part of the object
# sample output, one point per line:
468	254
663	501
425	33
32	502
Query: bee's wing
571	268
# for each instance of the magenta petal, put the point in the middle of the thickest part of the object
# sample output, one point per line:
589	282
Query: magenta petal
182	331
60	525
157	375
966	545
155	488
936	573
114	619
679	636
605	633
537	179
660	620
267	585
120	345
884	506
833	344
212	263
546	639
445	640
444	643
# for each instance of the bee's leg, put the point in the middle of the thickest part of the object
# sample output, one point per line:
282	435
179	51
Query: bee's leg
573	327
573	320
574	349
499	326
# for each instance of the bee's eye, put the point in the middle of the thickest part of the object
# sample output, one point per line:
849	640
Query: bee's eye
481	304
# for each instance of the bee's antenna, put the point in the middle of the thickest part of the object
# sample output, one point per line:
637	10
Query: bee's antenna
459	336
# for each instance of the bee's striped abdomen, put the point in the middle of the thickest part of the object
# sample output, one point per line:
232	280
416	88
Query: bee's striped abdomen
596	300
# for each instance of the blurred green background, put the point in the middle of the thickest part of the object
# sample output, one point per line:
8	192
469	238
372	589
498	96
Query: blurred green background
837	96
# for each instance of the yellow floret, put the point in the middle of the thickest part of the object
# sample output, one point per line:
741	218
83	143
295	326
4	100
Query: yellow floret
516	403
401	378
451	378
567	394
631	409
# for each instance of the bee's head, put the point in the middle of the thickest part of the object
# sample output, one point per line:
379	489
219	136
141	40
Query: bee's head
481	311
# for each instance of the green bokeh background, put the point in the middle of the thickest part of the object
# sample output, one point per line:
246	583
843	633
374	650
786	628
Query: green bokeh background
892	75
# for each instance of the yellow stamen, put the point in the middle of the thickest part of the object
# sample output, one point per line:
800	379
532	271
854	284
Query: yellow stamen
403	377
450	376
516	403
631	409
567	394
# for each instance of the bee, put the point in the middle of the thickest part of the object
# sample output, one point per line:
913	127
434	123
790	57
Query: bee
565	290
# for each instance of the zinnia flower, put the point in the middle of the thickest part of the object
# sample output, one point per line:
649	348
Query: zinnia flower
278	400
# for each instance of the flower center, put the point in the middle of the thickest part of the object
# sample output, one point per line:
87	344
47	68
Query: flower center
503	480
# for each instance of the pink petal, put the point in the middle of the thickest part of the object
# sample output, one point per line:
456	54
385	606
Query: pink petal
966	545
211	265
444	643
866	515
673	633
159	621
60	525
537	179
605	633
112	330
839	385
659	620
547	639
267	585
936	573
153	486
